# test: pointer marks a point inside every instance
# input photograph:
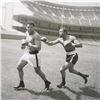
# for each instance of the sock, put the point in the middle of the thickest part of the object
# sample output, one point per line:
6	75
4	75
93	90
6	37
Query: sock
46	81
80	74
63	80
21	81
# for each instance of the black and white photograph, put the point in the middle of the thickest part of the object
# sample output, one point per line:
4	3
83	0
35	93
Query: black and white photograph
50	50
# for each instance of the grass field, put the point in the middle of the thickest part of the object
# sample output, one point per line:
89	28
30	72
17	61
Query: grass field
52	58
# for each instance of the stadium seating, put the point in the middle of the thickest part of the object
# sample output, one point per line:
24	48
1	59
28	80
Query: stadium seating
52	16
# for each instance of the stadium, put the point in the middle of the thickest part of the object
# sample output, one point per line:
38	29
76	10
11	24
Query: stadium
81	20
49	17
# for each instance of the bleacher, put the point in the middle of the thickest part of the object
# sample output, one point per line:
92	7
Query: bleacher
50	16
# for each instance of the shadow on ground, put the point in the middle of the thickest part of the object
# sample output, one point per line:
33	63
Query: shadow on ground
60	95
85	91
54	94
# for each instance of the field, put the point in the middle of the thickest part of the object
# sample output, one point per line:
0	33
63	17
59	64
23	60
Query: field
52	58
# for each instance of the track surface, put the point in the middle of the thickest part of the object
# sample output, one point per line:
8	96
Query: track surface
52	58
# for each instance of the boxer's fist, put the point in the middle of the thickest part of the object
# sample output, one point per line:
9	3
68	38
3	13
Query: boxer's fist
44	39
24	42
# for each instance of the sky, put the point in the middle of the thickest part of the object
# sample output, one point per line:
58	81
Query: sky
95	2
3	1
74	0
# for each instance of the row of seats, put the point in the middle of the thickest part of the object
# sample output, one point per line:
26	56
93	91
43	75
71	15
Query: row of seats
67	13
66	21
83	18
55	26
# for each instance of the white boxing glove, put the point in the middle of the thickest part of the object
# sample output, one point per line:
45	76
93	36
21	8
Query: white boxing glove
24	42
44	39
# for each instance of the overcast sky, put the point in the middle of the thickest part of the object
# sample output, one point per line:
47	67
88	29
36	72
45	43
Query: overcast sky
57	0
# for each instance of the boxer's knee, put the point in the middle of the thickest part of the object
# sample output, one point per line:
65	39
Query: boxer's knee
62	69
70	70
19	68
21	65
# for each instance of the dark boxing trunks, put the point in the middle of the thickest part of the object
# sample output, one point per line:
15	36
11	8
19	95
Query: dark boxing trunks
72	58
33	52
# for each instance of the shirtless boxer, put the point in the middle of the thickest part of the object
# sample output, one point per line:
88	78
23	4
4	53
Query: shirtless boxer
33	44
70	43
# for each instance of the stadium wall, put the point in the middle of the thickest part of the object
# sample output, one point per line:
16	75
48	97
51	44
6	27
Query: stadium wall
52	29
